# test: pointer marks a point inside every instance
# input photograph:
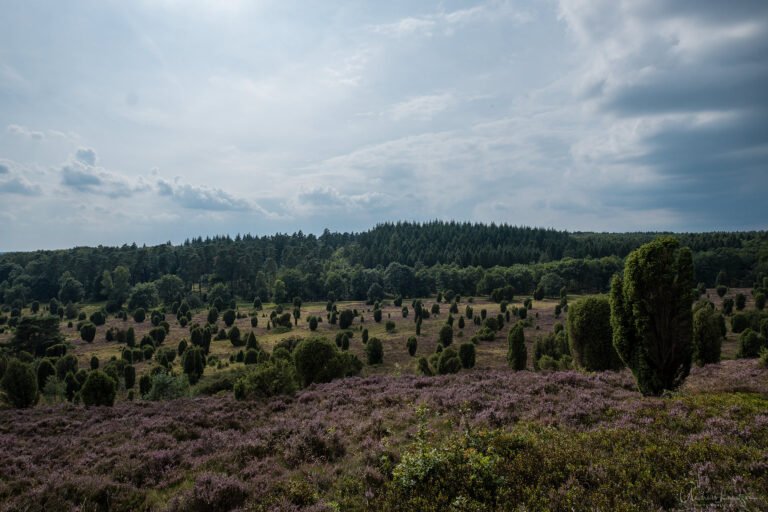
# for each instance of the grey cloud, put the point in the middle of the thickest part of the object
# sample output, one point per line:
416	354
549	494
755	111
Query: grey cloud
23	131
86	156
201	198
79	178
4	169
96	180
20	186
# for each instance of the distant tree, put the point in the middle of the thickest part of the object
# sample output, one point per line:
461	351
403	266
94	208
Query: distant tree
377	315
740	301
257	304
374	350
313	323
279	293
517	353
19	384
170	288
375	293
143	295
707	338
590	335
35	334
721	279
70	289
213	315
651	314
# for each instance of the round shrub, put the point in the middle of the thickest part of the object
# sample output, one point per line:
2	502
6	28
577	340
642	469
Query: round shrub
346	317
229	317
590	335
750	344
374	351
390	326
88	332
313	323
139	315
448	362
98	389
317	360
98	318
213	315
234	337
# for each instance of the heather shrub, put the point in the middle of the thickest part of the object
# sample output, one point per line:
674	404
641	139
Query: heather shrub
98	389
215	493
314	442
20	384
467	355
411	345
374	351
590	335
275	377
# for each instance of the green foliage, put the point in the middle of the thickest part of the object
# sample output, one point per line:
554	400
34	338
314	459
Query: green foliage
345	318
45	369
94	363
651	315
467	355
129	376
143	295
98	317
275	377
590	335
759	301
139	315
235	337
312	323
740	301
445	337
707	338
170	288
721	290
750	343
728	306
739	322
377	315
374	351
412	345
424	367
364	336
318	360
213	315
34	334
517	353
164	386
229	317
193	363
66	364
390	326
448	362
20	384
99	389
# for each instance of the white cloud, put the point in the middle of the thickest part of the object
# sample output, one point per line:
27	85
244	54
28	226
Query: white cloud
23	131
422	108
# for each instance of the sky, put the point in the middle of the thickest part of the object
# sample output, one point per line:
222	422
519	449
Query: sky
161	120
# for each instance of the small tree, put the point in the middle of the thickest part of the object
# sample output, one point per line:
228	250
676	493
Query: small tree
759	301
345	318
467	355
517	353
448	362
377	315
590	335
234	337
411	345
740	301
750	344
229	317
445	337
20	384
651	314
213	315
706	336
98	389
365	336
139	315
721	290
728	306
94	363
313	323
374	350
193	363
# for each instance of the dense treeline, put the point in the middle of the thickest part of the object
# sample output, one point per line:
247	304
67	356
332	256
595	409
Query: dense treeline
409	259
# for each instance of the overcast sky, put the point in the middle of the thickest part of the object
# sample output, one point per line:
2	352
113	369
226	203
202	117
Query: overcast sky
161	120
